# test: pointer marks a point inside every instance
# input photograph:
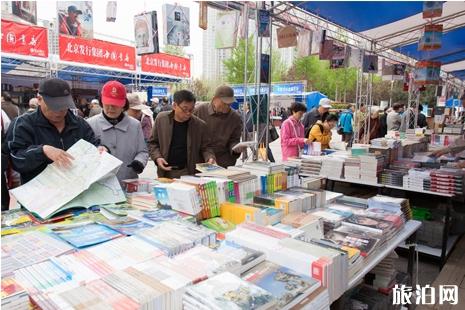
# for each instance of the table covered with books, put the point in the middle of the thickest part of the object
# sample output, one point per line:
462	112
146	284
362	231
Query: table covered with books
247	237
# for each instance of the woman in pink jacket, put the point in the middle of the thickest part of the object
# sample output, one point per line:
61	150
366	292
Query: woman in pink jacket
293	133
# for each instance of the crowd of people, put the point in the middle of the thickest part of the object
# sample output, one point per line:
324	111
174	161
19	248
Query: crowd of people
316	125
175	136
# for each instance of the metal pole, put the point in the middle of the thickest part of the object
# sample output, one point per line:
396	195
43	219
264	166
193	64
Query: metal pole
257	77
244	116
390	93
268	102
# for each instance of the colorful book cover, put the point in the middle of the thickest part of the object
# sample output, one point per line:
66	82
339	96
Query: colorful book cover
86	235
127	226
286	285
227	291
364	244
218	224
161	215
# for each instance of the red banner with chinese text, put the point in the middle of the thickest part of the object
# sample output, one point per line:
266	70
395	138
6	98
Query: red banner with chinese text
97	52
24	39
166	64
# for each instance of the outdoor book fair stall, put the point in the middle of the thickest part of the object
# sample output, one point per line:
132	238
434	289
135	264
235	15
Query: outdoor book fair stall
257	235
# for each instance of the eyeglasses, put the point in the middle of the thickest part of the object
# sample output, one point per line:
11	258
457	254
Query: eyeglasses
186	110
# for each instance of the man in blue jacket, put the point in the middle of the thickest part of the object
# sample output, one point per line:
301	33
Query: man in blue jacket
37	139
345	125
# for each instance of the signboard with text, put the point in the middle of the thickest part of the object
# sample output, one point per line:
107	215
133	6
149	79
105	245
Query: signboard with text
97	52
278	89
24	39
166	64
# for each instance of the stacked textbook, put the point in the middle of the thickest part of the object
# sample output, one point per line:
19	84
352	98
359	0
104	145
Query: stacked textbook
227	291
352	168
370	167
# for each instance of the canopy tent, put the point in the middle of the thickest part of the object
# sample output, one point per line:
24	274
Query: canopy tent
398	26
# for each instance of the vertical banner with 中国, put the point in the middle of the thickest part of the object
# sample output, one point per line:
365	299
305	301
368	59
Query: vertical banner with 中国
24	39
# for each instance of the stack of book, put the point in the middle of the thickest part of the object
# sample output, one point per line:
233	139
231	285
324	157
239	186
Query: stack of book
350	237
310	165
397	206
384	273
246	185
272	177
331	218
13	295
286	285
261	215
319	195
448	180
146	291
138	185
180	197
415	178
370	167
385	228
227	291
352	168
247	257
311	225
175	237
292	171
332	167
218	224
208	193
118	254
28	248
16	220
392	177
225	189
386	142
142	200
285	202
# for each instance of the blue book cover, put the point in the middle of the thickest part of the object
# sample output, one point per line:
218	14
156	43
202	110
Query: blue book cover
161	194
127	226
286	285
86	235
161	215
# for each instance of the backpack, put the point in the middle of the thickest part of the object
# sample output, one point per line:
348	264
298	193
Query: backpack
307	131
342	121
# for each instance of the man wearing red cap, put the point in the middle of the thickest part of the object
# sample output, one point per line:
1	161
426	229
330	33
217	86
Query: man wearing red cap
121	134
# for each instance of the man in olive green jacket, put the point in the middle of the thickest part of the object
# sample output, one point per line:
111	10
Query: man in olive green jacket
179	139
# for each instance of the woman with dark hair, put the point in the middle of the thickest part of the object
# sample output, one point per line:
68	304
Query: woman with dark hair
321	131
293	133
121	134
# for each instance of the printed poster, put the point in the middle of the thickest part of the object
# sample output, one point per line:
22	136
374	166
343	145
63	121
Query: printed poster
111	11
304	43
431	38
76	18
263	23
339	57
370	64
176	22
318	37
226	29
354	57
25	10
432	9
427	72
265	68
146	33
287	36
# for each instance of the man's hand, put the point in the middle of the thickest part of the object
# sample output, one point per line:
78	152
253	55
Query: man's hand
58	156
211	161
101	149
161	162
440	152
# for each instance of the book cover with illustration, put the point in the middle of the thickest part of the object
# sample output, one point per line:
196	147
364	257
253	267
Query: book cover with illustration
86	235
288	286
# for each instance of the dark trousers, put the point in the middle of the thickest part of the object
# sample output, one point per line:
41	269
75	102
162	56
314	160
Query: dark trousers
5	194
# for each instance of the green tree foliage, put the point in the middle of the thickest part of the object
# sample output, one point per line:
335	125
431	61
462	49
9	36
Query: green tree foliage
174	50
337	84
235	65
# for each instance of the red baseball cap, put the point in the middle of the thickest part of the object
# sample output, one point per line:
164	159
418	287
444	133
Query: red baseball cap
114	93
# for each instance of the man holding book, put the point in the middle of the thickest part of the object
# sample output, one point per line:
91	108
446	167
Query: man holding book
224	125
179	139
39	138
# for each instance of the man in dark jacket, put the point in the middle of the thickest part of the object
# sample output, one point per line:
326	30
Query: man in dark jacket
224	125
179	139
37	139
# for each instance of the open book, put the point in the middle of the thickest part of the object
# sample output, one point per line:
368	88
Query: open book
89	181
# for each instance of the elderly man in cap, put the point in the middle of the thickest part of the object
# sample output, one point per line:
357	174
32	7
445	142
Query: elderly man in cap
39	138
70	24
316	114
142	113
224	125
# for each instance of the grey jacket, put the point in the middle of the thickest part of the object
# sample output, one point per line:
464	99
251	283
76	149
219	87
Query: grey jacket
125	141
393	120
